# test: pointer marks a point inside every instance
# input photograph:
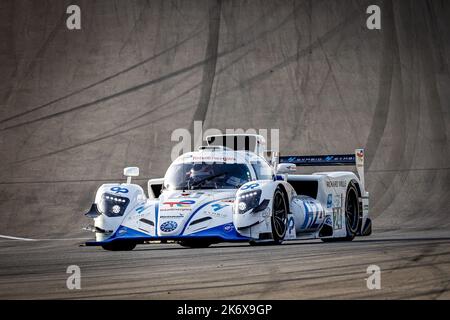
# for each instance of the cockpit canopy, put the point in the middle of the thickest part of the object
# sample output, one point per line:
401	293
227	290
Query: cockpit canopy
192	176
215	170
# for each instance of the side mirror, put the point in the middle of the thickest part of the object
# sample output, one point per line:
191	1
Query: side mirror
130	172
283	168
270	156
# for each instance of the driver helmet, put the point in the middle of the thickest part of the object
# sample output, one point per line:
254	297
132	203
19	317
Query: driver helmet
200	171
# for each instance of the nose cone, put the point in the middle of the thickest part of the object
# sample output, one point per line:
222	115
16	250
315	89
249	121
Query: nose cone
175	209
178	209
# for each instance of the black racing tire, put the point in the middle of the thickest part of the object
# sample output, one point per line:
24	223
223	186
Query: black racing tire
194	244
279	218
352	214
119	246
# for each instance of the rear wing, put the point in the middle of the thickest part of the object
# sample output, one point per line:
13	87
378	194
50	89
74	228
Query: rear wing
239	141
356	159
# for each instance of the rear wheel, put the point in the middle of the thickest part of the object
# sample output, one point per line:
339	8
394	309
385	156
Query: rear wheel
119	246
352	214
279	216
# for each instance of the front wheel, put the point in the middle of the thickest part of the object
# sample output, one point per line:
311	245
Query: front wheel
279	216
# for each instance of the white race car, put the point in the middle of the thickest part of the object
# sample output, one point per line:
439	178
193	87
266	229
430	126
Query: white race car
222	194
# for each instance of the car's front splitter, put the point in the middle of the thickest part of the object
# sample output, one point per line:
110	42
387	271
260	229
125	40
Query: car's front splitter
222	233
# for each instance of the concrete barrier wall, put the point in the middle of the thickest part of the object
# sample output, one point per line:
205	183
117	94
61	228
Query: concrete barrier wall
78	106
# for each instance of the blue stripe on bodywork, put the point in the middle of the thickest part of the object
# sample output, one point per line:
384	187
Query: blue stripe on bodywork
197	210
305	223
124	232
156	218
227	232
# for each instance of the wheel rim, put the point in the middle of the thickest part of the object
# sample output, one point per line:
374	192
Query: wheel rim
351	212
279	215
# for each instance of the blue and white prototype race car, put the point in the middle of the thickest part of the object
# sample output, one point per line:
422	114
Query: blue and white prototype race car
232	194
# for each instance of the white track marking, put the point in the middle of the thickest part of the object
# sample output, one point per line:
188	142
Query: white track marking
63	239
28	239
16	238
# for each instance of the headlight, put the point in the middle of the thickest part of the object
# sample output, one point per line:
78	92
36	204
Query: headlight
113	205
248	200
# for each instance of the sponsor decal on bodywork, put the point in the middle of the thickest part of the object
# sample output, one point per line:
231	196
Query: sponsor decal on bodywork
329	200
337	202
182	204
360	153
208	159
177	205
250	186
119	190
228	227
174	215
168	226
218	206
336	184
291	232
312	214
337	218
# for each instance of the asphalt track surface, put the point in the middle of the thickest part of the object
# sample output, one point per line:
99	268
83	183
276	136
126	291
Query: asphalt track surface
78	106
413	265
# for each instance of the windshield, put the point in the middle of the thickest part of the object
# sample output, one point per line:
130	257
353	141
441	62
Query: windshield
262	169
191	176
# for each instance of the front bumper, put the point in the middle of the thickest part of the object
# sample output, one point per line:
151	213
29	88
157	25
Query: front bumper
222	233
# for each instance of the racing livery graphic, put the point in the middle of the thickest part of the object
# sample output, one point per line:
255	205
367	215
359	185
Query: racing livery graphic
222	194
